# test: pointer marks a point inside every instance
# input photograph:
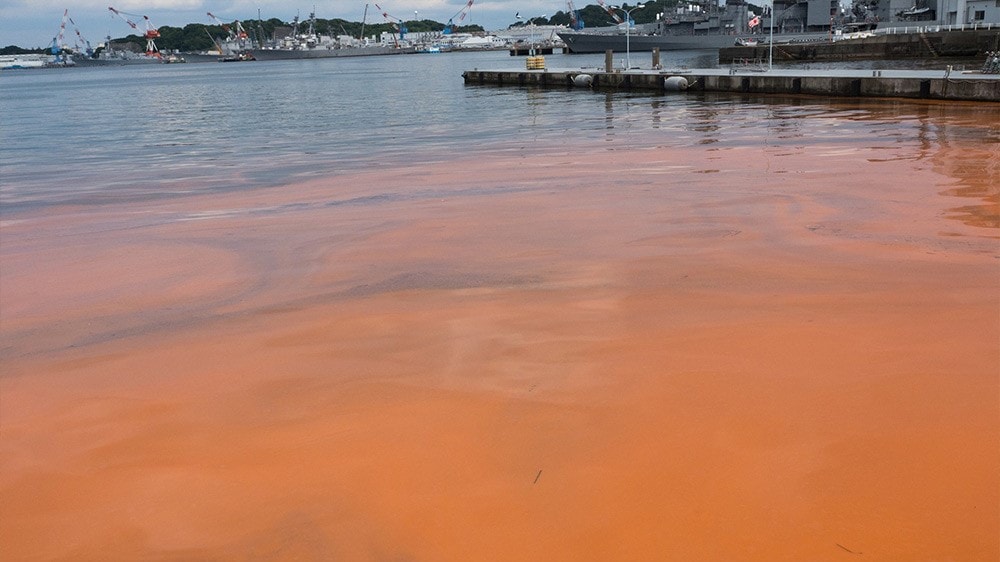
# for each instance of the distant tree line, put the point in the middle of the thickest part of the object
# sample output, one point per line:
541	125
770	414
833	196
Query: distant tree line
199	37
15	50
596	16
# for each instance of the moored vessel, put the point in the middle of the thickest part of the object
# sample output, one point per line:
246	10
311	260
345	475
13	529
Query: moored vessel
11	62
326	51
310	45
699	25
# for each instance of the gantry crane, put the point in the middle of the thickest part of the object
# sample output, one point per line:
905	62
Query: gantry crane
230	34
460	15
575	21
612	11
151	33
80	43
396	22
237	34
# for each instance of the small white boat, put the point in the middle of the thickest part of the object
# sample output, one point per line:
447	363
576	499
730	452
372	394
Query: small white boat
10	62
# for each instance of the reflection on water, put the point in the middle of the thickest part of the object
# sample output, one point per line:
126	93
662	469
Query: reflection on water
707	122
986	215
92	135
656	106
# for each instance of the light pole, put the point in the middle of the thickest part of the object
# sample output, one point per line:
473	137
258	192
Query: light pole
628	25
770	41
531	48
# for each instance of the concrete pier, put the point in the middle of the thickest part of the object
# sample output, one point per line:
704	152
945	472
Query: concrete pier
916	84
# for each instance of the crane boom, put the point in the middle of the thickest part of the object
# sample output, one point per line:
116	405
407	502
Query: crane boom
364	20
60	39
575	21
610	10
151	33
460	15
80	39
396	22
225	27
79	44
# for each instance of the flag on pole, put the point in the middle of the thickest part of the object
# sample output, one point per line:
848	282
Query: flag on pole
754	22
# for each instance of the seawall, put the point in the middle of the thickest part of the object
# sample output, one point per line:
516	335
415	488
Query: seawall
940	85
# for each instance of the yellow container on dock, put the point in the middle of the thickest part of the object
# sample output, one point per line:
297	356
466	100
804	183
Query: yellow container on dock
535	63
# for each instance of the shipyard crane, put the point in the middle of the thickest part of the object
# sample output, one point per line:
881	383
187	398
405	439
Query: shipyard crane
575	21
230	34
81	41
151	33
612	11
396	22
364	20
57	52
241	33
234	33
60	40
460	15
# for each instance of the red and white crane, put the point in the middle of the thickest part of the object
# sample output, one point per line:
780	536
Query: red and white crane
460	15
230	34
80	44
612	11
397	23
238	34
81	41
151	33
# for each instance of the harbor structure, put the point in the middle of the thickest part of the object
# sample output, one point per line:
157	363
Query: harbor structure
711	24
914	84
944	12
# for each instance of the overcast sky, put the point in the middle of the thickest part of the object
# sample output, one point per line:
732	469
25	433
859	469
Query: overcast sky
33	23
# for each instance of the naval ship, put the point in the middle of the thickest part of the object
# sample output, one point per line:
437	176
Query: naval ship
701	24
310	45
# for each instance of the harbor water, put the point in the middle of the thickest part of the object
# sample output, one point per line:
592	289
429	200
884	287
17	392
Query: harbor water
161	130
355	309
165	130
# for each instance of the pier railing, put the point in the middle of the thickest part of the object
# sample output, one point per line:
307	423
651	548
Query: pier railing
935	28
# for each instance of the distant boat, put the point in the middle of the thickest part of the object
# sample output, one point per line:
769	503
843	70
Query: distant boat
238	57
327	51
110	56
115	59
310	45
12	62
33	60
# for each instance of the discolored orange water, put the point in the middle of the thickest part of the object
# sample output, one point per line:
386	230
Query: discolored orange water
661	354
